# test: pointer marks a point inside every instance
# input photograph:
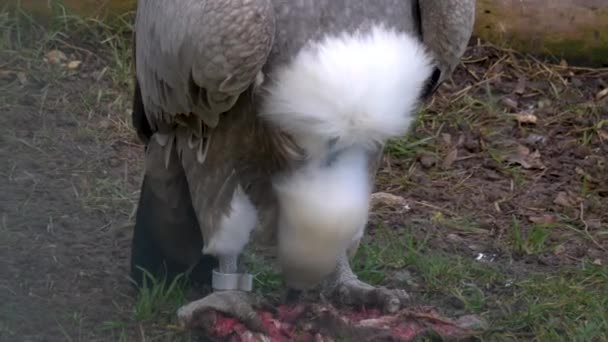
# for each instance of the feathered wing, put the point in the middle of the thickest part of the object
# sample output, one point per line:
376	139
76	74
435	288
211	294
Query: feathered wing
195	57
193	60
446	27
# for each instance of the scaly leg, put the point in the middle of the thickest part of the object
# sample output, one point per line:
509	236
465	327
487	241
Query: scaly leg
234	299
344	288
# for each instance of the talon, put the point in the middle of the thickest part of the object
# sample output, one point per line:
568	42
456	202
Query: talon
359	293
191	142
233	303
392	305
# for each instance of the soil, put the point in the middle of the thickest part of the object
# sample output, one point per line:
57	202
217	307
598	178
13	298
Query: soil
67	186
70	172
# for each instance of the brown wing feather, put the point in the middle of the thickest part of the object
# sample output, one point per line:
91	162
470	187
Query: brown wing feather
198	56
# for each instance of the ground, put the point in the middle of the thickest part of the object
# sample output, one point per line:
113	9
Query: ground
501	206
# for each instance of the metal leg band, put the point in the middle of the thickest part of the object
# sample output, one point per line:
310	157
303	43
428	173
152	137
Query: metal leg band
232	281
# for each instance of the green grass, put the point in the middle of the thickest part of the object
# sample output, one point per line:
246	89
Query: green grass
391	251
565	305
534	242
568	305
158	297
267	279
155	306
23	38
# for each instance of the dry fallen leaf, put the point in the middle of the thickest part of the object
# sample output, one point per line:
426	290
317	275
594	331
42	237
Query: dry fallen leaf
559	249
22	77
602	94
384	199
510	103
449	159
527	160
446	139
7	75
427	160
520	88
74	64
544	103
104	124
565	199
597	262
579	171
543	219
55	57
525	118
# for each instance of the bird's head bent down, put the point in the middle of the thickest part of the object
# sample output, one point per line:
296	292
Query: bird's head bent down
341	99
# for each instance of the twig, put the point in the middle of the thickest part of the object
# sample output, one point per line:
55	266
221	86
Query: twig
582	218
428	205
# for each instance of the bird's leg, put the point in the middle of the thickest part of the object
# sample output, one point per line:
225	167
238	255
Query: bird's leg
343	287
231	296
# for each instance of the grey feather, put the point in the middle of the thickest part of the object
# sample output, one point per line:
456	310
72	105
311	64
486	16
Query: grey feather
198	56
197	61
446	29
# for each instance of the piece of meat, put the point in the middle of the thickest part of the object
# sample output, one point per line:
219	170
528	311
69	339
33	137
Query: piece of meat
317	323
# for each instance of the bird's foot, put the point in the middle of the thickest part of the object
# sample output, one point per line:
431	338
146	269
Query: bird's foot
343	287
236	304
354	292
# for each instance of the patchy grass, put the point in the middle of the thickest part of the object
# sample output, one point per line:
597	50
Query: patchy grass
507	219
267	280
565	305
157	297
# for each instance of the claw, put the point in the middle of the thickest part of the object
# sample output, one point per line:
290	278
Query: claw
233	303
359	293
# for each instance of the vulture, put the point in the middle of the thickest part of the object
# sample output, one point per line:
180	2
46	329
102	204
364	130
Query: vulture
269	118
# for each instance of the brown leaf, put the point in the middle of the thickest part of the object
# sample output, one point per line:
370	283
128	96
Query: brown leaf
384	199
566	199
594	224
559	250
520	88
22	77
544	103
104	124
526	159
510	103
525	118
7	75
73	64
427	160
546	219
602	94
446	139
579	171
454	238
449	159
55	57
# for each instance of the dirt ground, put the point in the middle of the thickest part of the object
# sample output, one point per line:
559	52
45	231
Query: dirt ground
502	185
